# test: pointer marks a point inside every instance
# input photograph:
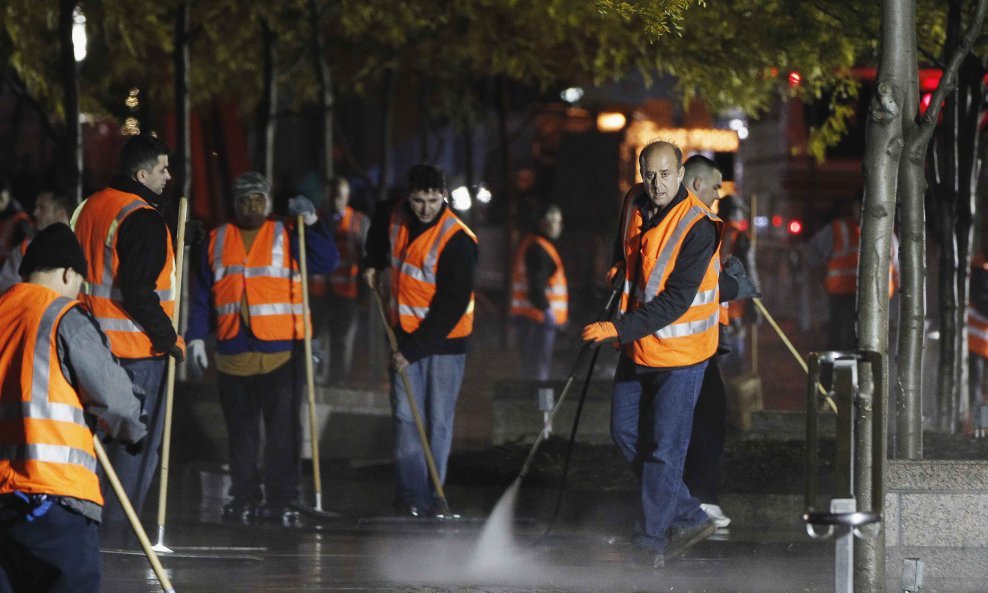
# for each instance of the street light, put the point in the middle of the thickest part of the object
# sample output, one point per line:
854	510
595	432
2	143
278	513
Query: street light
461	198
79	34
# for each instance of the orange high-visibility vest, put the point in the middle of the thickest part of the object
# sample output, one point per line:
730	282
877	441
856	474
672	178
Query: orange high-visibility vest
842	268
349	243
732	232
7	228
977	333
555	291
267	275
413	269
652	255
99	219
46	447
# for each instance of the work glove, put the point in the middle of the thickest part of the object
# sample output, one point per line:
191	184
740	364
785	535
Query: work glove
303	206
177	350
197	355
735	270
195	233
616	272
600	331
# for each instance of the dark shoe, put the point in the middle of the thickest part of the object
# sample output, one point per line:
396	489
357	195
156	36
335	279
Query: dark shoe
238	511
408	510
685	539
285	516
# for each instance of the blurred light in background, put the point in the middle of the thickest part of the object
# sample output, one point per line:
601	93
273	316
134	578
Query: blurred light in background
795	227
79	34
461	198
761	221
484	195
572	94
611	121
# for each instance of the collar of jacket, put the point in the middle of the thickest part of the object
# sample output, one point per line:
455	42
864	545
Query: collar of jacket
132	186
415	226
644	204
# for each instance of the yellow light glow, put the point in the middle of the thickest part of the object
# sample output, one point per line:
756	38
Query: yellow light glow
611	121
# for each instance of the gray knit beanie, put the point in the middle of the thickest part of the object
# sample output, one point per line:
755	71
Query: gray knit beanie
250	183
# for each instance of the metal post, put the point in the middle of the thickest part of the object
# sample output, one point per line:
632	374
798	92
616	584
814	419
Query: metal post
912	575
843	547
547	396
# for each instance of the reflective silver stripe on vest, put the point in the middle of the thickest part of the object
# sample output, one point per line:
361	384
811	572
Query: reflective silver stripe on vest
219	271
655	276
847	248
419	312
277	268
113	293
688	328
119	325
228	309
42	410
275	309
48	453
420	274
105	287
978	317
978	333
704	297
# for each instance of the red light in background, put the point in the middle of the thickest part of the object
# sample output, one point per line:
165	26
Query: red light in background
795	227
924	102
795	78
777	220
743	225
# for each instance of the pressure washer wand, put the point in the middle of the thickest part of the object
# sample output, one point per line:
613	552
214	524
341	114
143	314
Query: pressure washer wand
569	383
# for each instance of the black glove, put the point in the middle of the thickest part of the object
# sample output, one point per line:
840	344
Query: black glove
136	448
195	232
175	352
735	270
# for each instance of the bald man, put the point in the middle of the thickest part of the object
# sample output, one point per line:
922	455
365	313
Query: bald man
668	244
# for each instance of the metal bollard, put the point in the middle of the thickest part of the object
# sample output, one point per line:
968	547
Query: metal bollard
912	575
547	400
843	521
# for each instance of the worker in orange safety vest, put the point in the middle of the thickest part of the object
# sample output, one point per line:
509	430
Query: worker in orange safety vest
539	295
432	256
58	382
130	289
667	243
248	292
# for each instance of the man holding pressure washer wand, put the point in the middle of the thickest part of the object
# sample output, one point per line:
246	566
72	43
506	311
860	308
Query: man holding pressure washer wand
668	244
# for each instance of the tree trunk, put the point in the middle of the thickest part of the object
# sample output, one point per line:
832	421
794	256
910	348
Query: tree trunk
883	146
70	101
912	285
182	167
507	187
953	202
267	130
325	83
387	125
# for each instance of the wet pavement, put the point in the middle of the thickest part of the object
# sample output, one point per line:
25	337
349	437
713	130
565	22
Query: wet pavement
366	549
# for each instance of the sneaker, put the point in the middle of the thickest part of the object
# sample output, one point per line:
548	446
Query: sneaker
286	516
716	515
685	539
238	511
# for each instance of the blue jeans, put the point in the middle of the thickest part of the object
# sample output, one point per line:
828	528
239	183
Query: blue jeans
651	419
535	342
136	470
435	382
57	552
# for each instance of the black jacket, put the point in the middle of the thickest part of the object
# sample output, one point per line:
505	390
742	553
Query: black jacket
454	283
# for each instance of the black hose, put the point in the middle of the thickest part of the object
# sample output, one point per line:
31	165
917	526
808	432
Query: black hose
606	314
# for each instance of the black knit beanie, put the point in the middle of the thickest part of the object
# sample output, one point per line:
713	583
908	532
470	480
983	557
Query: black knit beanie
54	247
